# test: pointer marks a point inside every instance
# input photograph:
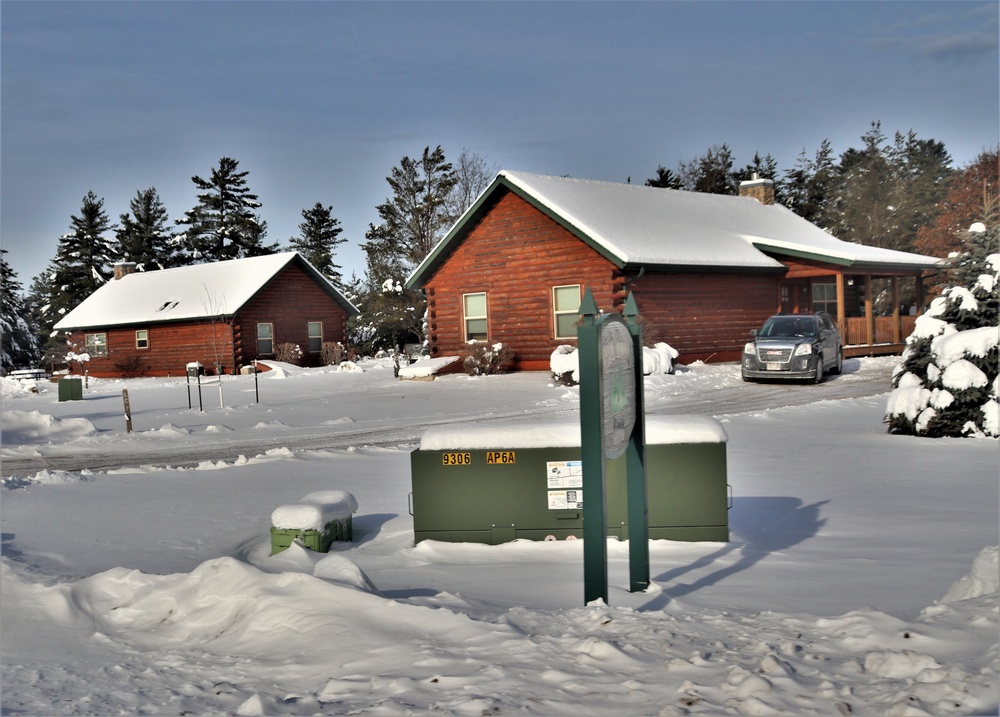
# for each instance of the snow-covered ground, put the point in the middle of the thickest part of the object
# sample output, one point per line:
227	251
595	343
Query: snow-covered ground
859	578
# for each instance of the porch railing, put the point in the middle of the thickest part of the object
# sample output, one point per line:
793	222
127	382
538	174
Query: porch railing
855	333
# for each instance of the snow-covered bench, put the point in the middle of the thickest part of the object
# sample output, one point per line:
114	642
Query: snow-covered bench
317	520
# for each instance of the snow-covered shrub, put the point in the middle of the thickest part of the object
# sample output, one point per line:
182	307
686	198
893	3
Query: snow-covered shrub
659	359
565	362
565	366
947	383
288	353
332	353
483	359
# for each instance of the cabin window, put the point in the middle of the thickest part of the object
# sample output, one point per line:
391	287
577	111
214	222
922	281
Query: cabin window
315	336
97	344
142	339
265	339
566	309
825	298
474	307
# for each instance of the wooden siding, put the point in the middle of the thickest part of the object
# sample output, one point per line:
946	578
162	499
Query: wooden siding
171	347
705	317
516	255
289	301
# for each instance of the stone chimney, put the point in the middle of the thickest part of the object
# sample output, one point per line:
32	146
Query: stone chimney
124	268
760	189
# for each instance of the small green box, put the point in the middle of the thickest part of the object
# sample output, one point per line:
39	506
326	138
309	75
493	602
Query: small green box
316	540
71	388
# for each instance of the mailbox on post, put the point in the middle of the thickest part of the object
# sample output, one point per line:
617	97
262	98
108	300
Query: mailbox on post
195	370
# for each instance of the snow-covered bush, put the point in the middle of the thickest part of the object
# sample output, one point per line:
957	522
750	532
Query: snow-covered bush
947	383
288	353
332	353
565	366
565	362
484	359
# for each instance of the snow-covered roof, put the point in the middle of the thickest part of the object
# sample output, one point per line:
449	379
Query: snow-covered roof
198	291
634	225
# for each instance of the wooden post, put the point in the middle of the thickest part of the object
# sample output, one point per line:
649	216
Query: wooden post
128	411
841	310
869	312
896	331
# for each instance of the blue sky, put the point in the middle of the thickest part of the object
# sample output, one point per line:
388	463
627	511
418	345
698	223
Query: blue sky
319	100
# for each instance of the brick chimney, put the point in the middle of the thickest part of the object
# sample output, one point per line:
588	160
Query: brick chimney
124	268
760	189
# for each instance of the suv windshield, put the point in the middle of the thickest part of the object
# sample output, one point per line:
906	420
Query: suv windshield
788	326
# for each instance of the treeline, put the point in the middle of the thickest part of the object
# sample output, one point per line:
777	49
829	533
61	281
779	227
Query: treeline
899	193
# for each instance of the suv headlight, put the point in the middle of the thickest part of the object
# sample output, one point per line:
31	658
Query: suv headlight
749	348
803	349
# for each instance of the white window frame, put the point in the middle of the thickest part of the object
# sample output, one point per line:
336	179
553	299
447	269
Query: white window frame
269	339
466	317
309	328
96	346
142	342
557	312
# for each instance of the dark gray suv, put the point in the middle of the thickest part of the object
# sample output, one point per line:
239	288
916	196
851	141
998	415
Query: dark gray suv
794	346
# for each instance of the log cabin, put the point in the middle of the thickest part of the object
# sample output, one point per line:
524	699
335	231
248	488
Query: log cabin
704	269
223	315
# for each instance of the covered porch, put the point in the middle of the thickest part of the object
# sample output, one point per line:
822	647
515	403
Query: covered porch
875	309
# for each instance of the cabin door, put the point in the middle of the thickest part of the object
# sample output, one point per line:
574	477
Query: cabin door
794	296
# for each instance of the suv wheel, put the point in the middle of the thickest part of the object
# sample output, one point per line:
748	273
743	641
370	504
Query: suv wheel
818	376
838	368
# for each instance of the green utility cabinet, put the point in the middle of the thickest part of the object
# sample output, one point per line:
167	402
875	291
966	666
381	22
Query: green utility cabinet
71	388
465	490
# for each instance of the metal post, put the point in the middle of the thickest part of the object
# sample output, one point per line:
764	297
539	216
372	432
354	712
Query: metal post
189	388
256	384
201	406
595	536
635	471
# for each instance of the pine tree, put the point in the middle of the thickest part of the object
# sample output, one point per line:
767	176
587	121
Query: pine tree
19	346
711	173
948	381
223	225
83	260
144	236
319	237
810	185
414	219
664	179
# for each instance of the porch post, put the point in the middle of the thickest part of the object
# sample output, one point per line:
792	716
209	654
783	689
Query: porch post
841	311
896	329
919	280
869	315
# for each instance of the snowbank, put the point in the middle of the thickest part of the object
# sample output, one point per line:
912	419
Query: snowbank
656	361
427	367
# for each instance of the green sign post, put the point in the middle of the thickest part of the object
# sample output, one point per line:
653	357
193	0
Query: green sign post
611	425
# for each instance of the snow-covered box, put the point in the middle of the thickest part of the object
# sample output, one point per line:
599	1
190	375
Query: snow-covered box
498	482
317	520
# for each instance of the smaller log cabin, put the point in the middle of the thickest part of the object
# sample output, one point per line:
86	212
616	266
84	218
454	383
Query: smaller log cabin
223	315
705	269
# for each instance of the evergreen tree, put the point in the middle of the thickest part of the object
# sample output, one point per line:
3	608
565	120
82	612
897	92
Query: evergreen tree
810	185
318	239
665	179
223	225
19	346
414	219
144	236
83	260
948	380
712	173
886	191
